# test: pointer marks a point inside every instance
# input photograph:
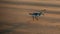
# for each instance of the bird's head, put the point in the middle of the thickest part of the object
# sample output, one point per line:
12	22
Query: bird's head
43	11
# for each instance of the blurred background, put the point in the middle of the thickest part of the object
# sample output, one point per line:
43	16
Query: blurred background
15	18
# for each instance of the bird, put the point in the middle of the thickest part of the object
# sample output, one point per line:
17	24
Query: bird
36	14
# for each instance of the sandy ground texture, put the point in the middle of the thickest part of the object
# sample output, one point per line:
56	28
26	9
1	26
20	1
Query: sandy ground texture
15	18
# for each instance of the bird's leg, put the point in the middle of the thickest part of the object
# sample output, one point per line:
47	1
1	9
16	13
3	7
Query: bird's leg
33	18
36	17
